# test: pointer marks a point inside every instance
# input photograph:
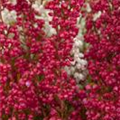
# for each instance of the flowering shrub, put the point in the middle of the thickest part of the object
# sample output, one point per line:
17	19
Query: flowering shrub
79	64
35	43
59	60
103	35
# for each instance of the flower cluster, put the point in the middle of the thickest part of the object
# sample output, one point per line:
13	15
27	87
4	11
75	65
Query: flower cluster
40	8
59	60
103	35
78	68
35	45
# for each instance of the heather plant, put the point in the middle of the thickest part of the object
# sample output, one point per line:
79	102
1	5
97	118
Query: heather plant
103	35
78	68
36	38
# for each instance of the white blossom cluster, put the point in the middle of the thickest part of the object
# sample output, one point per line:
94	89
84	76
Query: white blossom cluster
8	17
44	14
96	15
14	2
78	68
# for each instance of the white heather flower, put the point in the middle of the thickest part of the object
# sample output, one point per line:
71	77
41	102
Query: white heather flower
97	15
79	76
78	43
11	35
88	8
38	2
9	17
73	63
14	2
49	30
38	7
78	67
82	61
72	69
81	55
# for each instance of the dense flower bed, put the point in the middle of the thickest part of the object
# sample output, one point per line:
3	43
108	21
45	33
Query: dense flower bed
59	60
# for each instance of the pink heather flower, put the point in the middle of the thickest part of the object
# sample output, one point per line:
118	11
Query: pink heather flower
103	35
33	81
